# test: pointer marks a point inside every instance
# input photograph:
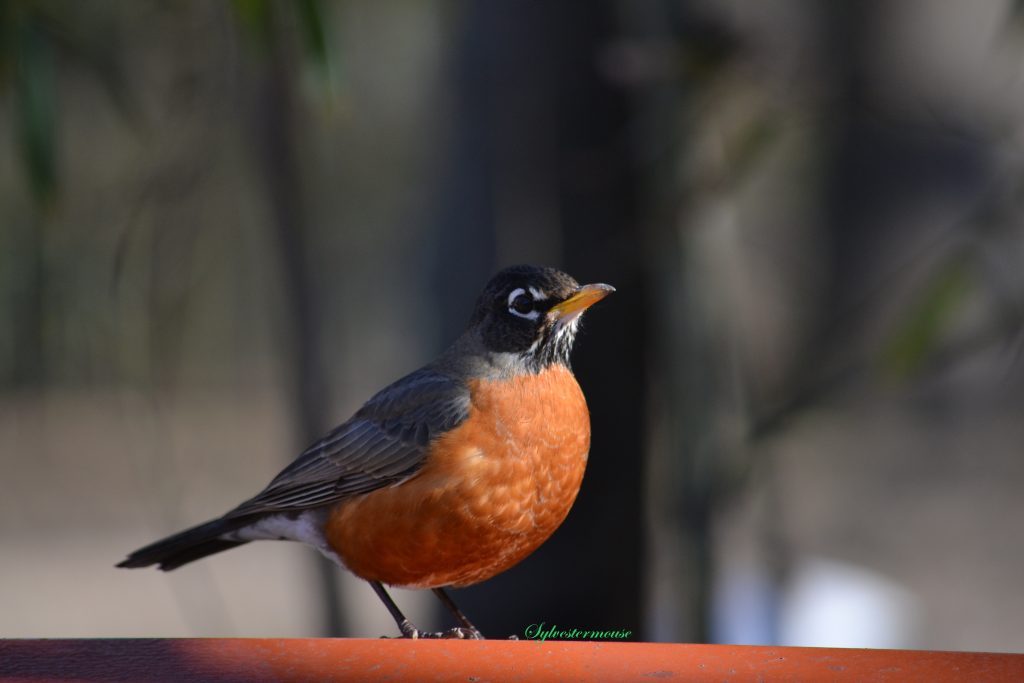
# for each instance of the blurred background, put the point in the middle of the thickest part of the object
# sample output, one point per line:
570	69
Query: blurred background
223	225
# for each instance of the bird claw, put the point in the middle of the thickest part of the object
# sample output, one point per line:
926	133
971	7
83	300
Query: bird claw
464	634
458	633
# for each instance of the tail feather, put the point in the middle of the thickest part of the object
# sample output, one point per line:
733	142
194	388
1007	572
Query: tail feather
188	545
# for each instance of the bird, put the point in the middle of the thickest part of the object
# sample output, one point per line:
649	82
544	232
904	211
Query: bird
446	477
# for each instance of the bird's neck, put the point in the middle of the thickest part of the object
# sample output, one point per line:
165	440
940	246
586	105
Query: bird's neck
469	358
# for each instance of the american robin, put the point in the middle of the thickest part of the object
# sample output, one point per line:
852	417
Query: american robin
447	477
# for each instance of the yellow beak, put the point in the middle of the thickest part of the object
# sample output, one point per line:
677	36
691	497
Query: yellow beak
585	297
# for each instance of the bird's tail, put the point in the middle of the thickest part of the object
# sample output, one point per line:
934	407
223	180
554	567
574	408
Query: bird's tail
188	545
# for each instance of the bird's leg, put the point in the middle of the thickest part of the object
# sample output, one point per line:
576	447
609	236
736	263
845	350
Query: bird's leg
446	600
409	630
404	625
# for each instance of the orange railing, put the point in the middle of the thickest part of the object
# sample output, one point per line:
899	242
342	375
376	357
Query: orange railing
256	660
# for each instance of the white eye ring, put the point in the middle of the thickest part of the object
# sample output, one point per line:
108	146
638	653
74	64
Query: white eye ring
519	291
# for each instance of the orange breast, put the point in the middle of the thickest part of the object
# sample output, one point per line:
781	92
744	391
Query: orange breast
492	491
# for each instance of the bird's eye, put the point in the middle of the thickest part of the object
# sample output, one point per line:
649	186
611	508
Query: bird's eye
521	304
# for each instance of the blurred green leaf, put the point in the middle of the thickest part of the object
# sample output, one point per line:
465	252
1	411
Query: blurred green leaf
311	19
926	320
35	106
6	41
260	20
32	34
317	40
255	16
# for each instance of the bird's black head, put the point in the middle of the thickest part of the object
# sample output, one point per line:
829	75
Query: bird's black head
530	314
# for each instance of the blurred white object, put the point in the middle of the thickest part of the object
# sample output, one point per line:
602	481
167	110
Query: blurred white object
825	604
833	604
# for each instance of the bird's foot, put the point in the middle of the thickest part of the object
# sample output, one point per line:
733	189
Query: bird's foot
457	633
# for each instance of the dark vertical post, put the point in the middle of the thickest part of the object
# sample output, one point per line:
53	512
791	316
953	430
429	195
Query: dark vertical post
539	126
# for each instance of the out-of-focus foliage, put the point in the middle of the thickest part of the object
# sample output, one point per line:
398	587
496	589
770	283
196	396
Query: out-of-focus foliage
923	322
37	37
258	17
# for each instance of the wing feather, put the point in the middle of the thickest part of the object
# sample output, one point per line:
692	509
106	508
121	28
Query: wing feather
385	442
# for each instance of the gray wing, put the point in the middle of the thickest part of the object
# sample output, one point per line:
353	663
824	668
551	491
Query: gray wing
384	443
